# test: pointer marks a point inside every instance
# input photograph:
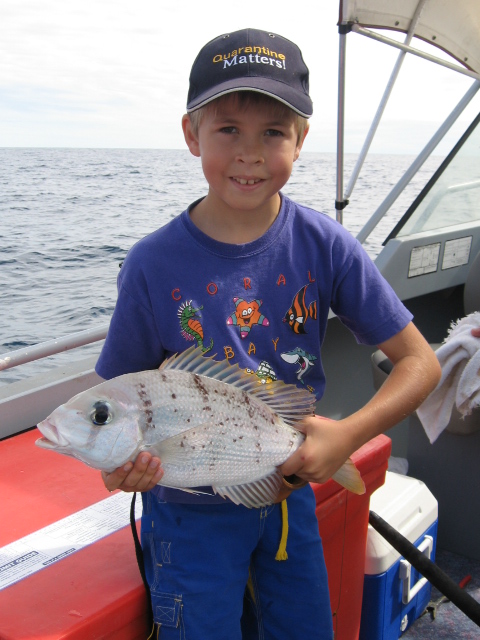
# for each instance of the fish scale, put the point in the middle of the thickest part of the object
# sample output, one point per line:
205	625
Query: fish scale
231	454
209	422
229	431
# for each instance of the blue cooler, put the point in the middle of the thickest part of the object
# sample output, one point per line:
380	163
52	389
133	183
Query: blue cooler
394	593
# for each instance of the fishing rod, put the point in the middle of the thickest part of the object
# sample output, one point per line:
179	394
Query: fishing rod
427	568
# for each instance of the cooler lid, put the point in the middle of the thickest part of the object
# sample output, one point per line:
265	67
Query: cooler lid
408	506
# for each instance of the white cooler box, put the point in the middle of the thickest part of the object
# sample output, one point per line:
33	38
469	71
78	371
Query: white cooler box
394	593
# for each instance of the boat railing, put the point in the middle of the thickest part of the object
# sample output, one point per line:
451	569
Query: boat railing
426	152
51	347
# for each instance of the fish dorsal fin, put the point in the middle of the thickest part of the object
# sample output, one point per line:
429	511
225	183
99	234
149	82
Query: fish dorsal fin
254	494
288	401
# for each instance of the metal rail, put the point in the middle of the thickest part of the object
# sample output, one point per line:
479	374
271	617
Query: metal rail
418	162
36	352
340	204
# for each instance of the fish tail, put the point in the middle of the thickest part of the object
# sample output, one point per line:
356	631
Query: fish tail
349	477
312	310
207	349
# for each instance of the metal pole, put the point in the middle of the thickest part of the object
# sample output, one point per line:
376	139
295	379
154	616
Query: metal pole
384	100
340	204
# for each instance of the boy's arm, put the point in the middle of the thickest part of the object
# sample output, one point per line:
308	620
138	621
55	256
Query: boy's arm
328	444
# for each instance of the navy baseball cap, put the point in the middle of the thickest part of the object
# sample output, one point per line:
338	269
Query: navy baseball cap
250	60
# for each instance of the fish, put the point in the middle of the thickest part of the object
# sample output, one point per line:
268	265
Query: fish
299	313
209	422
301	357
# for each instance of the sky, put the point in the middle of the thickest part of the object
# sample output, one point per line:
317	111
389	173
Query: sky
114	74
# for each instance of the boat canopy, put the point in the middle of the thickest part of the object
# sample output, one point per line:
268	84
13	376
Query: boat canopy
451	26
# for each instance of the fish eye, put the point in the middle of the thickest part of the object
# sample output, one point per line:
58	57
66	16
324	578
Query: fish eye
101	414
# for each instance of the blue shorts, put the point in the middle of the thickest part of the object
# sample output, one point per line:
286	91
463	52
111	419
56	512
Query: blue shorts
198	560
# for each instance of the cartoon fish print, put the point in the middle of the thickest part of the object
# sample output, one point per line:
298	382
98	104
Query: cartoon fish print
298	313
247	315
264	373
191	327
302	358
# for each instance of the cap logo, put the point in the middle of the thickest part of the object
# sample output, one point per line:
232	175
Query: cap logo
252	55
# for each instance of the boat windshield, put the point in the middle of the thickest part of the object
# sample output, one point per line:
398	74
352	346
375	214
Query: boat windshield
452	196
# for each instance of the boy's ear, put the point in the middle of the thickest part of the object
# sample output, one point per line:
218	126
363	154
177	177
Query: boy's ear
190	137
300	144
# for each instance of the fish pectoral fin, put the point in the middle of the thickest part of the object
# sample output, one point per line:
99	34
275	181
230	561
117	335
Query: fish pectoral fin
254	494
349	477
177	448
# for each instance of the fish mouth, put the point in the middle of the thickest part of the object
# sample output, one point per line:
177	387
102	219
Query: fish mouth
52	439
303	364
43	443
291	358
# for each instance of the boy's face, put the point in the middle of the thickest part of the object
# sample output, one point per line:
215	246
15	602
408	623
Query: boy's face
247	155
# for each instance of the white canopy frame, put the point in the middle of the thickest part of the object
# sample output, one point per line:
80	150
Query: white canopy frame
380	13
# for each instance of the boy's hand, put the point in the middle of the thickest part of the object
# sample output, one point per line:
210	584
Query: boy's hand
328	444
142	475
325	450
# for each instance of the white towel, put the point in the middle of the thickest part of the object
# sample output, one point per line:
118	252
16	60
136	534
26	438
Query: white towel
459	357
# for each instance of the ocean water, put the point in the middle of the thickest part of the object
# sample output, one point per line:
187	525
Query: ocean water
69	216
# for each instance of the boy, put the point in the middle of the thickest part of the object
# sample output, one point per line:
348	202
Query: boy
252	275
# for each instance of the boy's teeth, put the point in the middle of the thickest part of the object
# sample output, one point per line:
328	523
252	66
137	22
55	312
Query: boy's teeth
243	181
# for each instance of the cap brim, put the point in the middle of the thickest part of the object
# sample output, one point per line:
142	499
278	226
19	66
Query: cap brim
300	103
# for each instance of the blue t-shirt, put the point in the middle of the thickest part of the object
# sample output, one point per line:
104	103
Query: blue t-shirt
263	305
